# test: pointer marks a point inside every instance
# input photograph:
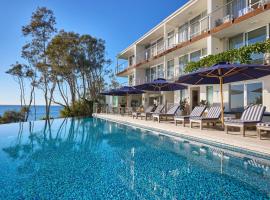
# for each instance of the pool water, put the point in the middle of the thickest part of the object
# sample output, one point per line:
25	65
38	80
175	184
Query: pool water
96	159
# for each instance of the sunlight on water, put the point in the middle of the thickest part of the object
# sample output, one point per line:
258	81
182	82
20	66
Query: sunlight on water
97	159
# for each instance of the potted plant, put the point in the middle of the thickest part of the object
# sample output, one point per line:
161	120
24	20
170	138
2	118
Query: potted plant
204	103
183	106
267	58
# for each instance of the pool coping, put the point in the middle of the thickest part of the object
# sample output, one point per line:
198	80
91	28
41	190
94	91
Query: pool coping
182	136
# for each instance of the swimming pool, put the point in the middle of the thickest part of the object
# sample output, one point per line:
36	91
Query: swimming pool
96	159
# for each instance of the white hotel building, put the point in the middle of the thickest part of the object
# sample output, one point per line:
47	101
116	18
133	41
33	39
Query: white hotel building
197	29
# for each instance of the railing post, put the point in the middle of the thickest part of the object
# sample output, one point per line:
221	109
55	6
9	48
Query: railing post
117	63
209	22
200	31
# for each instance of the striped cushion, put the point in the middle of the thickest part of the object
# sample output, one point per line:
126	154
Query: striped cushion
197	111
253	113
213	113
173	110
159	109
239	121
149	109
264	124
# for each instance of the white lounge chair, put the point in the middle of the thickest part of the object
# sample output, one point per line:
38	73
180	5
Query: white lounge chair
158	109
196	112
212	116
171	113
251	116
147	110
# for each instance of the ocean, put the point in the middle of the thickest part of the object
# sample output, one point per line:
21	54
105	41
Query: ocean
40	111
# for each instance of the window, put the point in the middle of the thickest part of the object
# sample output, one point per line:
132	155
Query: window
254	93
148	75
204	52
153	73
160	45
131	80
252	37
237	97
160	71
170	69
236	8
195	26
153	49
182	63
170	39
209	94
195	56
115	101
183	94
236	42
258	35
245	94
183	33
131	60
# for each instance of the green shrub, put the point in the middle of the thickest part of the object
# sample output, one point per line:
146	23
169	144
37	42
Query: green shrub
11	117
241	55
83	108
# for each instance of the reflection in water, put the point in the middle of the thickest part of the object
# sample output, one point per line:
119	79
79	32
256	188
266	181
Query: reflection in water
92	158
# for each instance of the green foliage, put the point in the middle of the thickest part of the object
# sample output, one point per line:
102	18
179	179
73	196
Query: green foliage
183	104
204	103
241	55
82	108
13	116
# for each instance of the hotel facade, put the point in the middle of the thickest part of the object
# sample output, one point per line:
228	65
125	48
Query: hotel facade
197	29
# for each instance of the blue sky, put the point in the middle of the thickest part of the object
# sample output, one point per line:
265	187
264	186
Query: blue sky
118	22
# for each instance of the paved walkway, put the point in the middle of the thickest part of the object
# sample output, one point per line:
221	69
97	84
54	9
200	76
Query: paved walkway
250	142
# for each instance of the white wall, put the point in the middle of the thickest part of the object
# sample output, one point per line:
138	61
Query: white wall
266	92
214	45
139	76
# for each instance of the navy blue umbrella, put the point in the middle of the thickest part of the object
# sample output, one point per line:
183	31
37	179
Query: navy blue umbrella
126	90
225	73
123	91
160	84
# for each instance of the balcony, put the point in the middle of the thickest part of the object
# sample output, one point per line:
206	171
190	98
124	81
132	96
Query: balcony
178	38
219	19
233	10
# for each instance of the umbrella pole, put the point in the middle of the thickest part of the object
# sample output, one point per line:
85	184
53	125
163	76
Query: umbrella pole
126	103
221	100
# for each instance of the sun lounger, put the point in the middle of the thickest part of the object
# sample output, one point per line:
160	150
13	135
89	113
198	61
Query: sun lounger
264	126
212	116
159	109
196	112
147	110
171	113
251	116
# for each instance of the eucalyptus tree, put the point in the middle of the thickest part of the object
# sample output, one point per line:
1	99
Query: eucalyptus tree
93	66
62	53
40	31
16	71
79	62
24	75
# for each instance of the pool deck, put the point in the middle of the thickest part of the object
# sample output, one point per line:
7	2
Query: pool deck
234	139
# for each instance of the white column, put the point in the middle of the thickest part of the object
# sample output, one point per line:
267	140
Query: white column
214	45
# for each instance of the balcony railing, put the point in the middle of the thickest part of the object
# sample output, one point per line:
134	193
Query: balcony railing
223	14
233	10
120	67
192	30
